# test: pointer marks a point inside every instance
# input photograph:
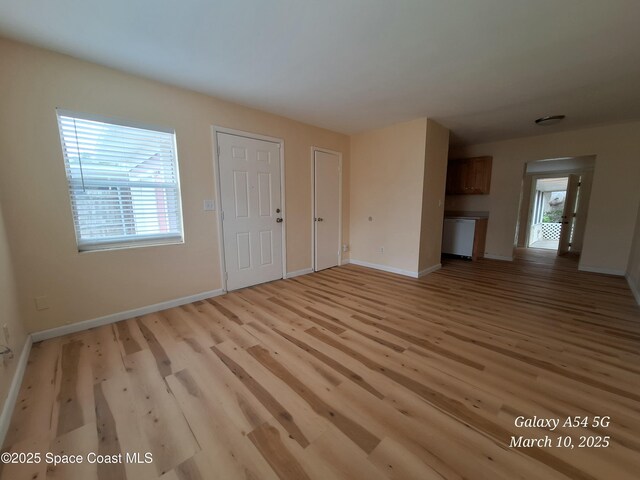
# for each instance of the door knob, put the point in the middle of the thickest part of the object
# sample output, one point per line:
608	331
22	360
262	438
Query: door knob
320	219
279	220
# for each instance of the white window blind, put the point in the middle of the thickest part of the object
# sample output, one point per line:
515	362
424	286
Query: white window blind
123	182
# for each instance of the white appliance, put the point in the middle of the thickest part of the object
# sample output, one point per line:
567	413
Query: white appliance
457	236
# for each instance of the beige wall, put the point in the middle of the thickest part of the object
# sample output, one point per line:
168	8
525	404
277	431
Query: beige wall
434	180
633	269
8	314
37	210
387	167
614	196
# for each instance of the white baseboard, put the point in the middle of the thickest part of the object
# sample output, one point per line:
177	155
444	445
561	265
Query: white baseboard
297	273
116	317
385	268
635	289
14	389
429	270
606	271
504	258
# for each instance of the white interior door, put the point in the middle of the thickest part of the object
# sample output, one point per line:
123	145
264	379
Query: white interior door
568	214
326	209
251	209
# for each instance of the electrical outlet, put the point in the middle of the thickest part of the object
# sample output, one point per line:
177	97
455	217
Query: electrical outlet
209	205
345	247
381	249
42	303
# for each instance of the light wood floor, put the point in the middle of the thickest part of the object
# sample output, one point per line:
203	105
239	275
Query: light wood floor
349	373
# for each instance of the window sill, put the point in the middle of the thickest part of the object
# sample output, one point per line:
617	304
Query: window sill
112	248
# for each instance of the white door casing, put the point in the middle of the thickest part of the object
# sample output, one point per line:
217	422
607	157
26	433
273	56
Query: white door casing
249	173
326	215
568	214
582	207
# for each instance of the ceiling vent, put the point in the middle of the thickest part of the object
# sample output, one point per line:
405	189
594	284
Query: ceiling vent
549	120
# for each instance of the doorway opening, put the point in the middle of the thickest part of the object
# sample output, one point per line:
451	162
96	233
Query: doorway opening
548	206
554	204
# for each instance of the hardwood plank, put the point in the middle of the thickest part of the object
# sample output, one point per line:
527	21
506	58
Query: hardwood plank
453	407
107	438
350	373
122	402
162	360
26	471
348	461
169	437
399	463
80	441
33	415
226	449
129	337
302	365
70	414
358	434
354	377
236	400
268	441
275	408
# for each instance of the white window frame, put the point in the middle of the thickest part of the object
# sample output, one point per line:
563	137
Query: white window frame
127	241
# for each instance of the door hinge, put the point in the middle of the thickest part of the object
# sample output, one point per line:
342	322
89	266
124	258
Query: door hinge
222	215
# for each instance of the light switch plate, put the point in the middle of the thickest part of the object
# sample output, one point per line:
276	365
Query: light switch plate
209	205
42	303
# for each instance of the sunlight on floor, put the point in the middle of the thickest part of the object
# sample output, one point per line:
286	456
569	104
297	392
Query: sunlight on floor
548	244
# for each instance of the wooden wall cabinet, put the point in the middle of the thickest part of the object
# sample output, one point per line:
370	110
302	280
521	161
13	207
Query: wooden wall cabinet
469	176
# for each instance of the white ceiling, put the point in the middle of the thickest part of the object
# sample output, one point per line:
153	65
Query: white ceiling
486	69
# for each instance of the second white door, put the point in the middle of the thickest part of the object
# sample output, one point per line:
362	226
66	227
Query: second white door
251	206
326	209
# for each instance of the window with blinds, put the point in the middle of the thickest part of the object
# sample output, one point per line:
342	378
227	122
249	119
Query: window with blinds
123	182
